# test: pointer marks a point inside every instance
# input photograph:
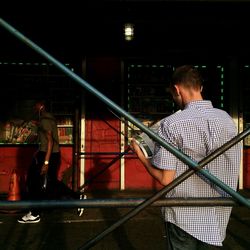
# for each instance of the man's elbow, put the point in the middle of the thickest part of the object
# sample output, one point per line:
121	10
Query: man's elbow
165	182
167	177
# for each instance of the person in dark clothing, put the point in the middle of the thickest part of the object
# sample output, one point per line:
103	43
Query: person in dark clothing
42	174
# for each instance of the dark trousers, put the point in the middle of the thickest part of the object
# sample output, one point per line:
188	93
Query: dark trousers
35	179
177	239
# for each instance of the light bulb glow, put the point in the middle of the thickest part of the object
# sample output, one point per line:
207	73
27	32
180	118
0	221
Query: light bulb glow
129	31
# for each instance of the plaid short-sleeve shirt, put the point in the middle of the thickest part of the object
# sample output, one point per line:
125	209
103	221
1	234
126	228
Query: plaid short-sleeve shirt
197	131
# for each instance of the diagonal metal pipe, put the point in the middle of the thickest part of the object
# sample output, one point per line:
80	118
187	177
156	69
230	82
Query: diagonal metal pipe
168	188
88	181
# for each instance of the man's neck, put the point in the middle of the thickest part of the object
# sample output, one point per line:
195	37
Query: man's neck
194	96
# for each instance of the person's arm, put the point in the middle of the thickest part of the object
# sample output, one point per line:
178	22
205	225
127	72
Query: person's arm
45	166
162	176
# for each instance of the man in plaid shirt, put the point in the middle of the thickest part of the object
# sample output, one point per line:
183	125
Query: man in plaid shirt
196	131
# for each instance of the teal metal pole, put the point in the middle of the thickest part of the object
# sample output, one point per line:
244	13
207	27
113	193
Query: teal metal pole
165	189
116	203
122	112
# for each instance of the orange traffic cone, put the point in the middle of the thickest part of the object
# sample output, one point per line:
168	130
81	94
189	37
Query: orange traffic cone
14	190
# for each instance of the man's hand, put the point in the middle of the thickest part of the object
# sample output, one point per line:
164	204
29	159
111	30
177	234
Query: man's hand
136	148
44	169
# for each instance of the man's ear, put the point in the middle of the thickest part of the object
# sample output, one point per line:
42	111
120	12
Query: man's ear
177	90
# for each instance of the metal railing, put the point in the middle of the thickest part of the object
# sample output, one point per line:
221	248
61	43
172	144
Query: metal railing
117	203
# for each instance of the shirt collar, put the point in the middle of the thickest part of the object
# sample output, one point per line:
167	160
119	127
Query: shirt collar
199	104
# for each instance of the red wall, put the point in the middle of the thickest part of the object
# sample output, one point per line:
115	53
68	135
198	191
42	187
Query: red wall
14	157
19	157
102	136
246	168
102	139
136	175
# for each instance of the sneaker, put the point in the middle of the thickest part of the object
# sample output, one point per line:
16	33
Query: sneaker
29	218
81	209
